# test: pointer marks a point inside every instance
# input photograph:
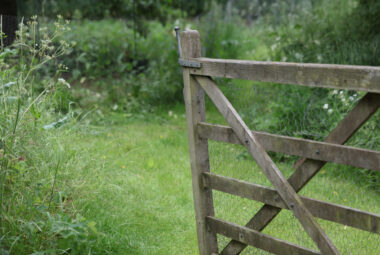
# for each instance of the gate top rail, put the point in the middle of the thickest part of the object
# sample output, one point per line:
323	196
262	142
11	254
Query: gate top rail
347	77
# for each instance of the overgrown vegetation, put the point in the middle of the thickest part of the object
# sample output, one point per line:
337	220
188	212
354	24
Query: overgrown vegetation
34	166
92	121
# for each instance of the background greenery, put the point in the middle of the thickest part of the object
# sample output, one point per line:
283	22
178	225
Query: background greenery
93	154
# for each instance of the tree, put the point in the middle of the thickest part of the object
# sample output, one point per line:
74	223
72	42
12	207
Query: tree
8	14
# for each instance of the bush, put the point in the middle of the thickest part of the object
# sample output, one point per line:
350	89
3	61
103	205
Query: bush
326	33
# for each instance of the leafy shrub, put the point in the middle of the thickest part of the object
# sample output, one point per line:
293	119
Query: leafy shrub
326	33
102	49
162	10
123	68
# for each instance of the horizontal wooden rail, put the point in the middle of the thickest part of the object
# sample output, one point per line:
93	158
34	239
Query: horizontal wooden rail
256	238
324	210
323	151
365	78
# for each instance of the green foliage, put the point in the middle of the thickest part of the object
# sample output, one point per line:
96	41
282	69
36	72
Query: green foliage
161	10
122	67
223	35
335	32
34	217
102	49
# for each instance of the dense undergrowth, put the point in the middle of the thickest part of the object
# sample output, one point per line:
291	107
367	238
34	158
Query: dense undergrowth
82	76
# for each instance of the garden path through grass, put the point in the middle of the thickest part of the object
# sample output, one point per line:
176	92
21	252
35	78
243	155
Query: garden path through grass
136	186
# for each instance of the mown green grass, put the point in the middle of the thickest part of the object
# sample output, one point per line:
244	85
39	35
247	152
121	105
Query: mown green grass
135	184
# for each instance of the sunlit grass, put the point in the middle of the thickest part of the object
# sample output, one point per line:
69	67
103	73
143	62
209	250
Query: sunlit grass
136	186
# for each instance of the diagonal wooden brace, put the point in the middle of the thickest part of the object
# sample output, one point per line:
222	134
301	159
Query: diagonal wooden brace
308	168
274	175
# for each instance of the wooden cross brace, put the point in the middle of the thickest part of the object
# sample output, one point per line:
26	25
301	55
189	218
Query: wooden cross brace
274	175
194	88
308	168
303	174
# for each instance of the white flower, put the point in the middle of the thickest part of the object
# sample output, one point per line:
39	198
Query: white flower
170	113
330	111
335	92
298	56
63	82
351	98
326	106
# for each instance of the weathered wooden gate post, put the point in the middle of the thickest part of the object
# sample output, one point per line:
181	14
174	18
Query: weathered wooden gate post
199	156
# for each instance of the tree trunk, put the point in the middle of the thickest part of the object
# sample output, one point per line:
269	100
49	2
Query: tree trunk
8	20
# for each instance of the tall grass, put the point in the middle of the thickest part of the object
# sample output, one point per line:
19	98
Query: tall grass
32	161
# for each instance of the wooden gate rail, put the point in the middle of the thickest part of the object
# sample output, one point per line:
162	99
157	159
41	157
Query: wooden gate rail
332	212
256	238
364	78
196	72
346	155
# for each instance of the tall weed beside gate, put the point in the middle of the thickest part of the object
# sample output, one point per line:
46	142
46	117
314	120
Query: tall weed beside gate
34	102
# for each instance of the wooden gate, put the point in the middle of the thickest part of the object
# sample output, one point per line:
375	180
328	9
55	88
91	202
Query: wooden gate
197	73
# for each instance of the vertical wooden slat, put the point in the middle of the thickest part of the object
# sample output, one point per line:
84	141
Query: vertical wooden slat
269	168
199	155
308	168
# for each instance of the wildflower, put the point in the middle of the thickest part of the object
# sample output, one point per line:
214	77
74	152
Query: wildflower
63	82
345	200
351	98
170	113
323	171
104	156
335	193
330	111
123	167
335	92
326	106
298	56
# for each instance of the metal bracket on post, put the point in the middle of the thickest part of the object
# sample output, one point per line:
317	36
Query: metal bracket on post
183	62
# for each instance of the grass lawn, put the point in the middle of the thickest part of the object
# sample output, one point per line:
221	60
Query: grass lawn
135	184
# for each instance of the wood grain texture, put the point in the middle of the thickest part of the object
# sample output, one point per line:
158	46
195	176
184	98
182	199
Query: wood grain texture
337	213
256	238
308	168
198	147
323	151
268	167
364	78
